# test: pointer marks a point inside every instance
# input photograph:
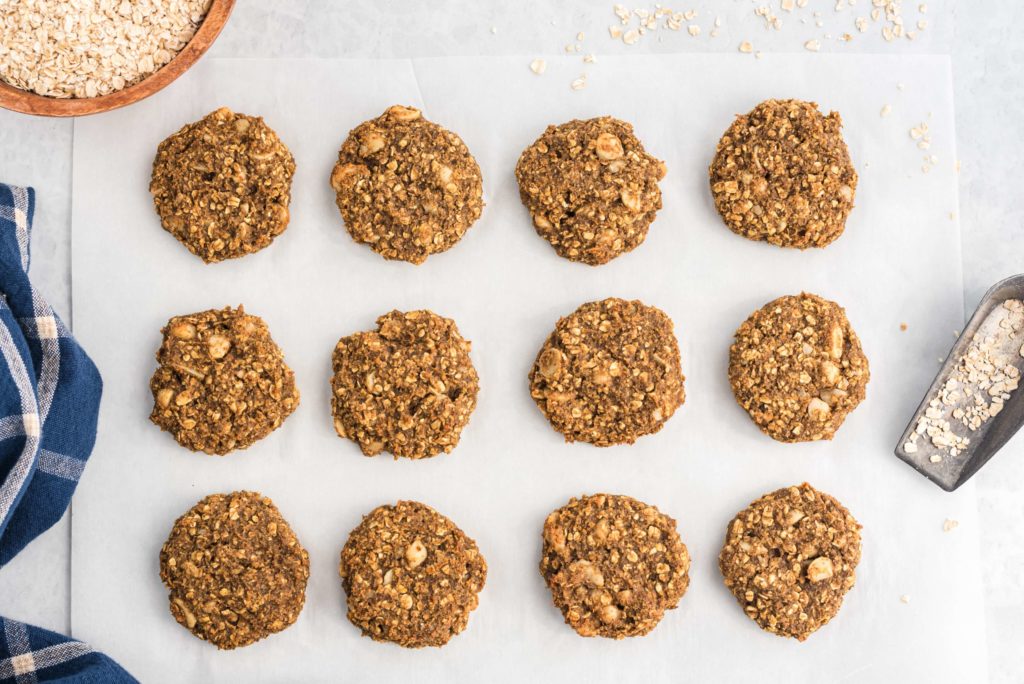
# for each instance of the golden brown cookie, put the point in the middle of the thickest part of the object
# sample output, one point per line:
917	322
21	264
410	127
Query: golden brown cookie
789	558
222	383
235	570
609	373
797	368
614	565
591	188
782	174
222	185
405	186
407	388
411	575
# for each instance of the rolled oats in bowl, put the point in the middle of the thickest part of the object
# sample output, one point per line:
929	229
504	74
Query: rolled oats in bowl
87	48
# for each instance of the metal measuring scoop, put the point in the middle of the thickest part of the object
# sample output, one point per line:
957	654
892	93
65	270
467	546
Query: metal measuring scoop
990	436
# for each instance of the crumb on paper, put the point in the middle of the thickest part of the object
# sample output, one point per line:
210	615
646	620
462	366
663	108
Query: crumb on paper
538	66
949	525
903	327
905	598
886	110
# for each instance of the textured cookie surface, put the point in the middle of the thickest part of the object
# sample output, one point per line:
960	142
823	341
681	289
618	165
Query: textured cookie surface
789	558
614	565
222	185
405	186
591	188
407	388
797	368
411	575
782	174
609	373
222	383
235	570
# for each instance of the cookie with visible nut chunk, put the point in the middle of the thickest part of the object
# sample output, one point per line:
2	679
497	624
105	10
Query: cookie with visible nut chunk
614	565
235	570
591	188
789	558
797	367
222	382
782	174
222	185
405	186
408	387
609	373
411	575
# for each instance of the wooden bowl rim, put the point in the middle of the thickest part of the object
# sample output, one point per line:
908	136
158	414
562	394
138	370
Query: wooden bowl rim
27	102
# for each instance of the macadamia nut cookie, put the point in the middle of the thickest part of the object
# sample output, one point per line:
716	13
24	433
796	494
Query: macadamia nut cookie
411	576
609	373
789	558
782	174
614	565
222	185
222	383
797	368
405	186
235	570
408	387
591	188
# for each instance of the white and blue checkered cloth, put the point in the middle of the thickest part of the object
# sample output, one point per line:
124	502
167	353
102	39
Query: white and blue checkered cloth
49	403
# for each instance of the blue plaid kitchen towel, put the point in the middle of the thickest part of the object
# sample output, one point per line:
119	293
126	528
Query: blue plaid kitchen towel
49	403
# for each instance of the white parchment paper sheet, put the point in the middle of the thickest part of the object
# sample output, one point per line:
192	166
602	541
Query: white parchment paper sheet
898	261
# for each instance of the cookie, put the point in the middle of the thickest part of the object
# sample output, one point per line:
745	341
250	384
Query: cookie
411	576
614	565
222	383
235	571
797	368
789	558
407	388
782	174
405	186
609	373
222	185
591	188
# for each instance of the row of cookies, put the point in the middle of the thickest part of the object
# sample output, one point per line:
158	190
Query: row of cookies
236	572
409	188
609	373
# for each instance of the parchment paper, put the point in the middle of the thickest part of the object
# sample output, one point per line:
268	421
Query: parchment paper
899	261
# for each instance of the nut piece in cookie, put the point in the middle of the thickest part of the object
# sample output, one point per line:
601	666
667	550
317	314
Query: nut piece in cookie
614	565
222	383
222	185
411	575
405	186
782	174
407	388
235	571
591	188
789	558
609	373
797	368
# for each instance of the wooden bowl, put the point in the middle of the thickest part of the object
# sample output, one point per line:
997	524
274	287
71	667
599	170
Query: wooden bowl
30	103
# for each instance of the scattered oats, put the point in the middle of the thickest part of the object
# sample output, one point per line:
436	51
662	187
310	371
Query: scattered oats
758	54
788	5
910	448
886	110
949	525
614	31
861	23
590	59
693	30
630	36
903	327
905	598
934	458
746	47
922	8
538	66
580	83
622	13
812	45
580	35
846	37
922	24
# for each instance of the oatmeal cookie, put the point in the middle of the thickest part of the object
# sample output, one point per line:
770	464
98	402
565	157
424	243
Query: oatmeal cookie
235	570
222	185
789	558
609	373
591	188
405	186
411	576
614	565
222	383
797	368
782	174
407	388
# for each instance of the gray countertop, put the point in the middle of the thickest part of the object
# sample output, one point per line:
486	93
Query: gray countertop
987	63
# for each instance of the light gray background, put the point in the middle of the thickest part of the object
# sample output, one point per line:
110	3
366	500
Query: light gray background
987	63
